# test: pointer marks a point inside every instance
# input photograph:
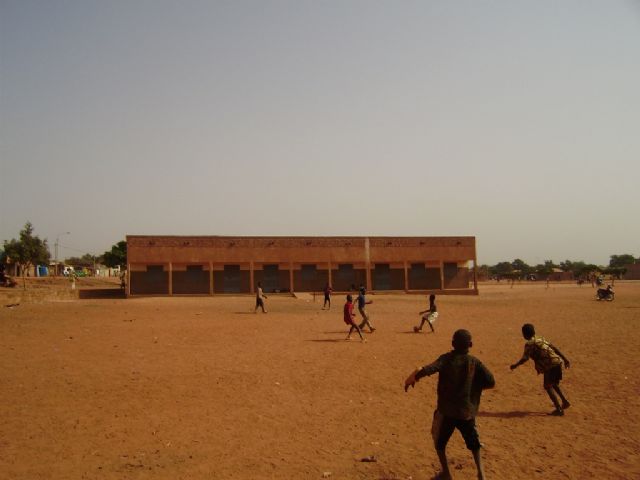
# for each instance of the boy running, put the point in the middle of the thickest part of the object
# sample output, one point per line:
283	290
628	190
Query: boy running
548	360
362	302
327	296
430	315
349	317
461	379
259	299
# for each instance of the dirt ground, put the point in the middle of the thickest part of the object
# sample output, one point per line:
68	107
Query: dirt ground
202	388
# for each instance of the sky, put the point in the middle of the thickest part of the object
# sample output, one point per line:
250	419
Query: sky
517	122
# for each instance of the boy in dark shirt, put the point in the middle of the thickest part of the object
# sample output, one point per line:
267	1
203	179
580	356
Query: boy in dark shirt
327	296
461	379
362	303
548	360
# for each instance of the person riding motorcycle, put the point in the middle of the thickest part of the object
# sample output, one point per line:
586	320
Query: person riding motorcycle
605	293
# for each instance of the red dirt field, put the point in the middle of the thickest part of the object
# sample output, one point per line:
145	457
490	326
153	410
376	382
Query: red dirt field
201	388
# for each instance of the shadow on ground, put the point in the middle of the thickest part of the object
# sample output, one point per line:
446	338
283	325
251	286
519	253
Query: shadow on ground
93	293
514	414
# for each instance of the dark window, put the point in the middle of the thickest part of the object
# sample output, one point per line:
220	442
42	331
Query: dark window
308	273
270	278
381	277
232	278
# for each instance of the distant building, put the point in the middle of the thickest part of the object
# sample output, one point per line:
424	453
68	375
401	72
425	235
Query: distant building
197	265
633	272
558	275
14	269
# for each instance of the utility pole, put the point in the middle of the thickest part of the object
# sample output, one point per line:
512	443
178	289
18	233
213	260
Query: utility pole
56	250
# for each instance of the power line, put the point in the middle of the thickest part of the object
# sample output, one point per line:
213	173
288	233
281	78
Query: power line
76	249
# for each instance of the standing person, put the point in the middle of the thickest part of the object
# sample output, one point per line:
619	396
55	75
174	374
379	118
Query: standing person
548	360
461	379
430	315
327	296
362	302
349	319
259	299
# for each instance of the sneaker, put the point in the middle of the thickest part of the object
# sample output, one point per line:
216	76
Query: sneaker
557	413
373	329
565	405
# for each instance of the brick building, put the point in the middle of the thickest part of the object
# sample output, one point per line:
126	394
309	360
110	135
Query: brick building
209	265
633	272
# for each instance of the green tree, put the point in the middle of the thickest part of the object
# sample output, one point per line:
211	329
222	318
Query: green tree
87	260
621	261
566	266
117	256
579	268
483	271
545	268
617	272
30	250
582	269
521	266
502	269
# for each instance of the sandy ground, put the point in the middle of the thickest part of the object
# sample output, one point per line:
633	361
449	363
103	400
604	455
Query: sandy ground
201	388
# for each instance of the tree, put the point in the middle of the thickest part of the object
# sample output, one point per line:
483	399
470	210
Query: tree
582	269
545	268
521	266
28	251
87	260
620	261
483	271
579	268
617	272
502	269
566	266
117	256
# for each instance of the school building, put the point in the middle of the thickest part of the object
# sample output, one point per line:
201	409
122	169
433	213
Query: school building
210	265
632	272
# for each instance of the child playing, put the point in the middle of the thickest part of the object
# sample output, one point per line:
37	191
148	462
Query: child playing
430	315
259	299
461	379
327	296
548	360
362	302
349	317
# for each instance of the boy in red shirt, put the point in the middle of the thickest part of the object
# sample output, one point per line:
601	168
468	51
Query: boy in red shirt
349	318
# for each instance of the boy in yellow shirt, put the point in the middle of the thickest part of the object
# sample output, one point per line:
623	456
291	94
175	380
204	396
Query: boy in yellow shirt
548	360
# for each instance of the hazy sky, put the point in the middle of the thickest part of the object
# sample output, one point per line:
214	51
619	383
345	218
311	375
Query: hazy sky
517	122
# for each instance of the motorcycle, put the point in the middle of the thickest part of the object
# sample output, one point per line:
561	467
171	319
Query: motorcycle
605	294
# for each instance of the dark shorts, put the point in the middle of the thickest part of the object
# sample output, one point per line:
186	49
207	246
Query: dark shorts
327	296
552	377
259	303
466	427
